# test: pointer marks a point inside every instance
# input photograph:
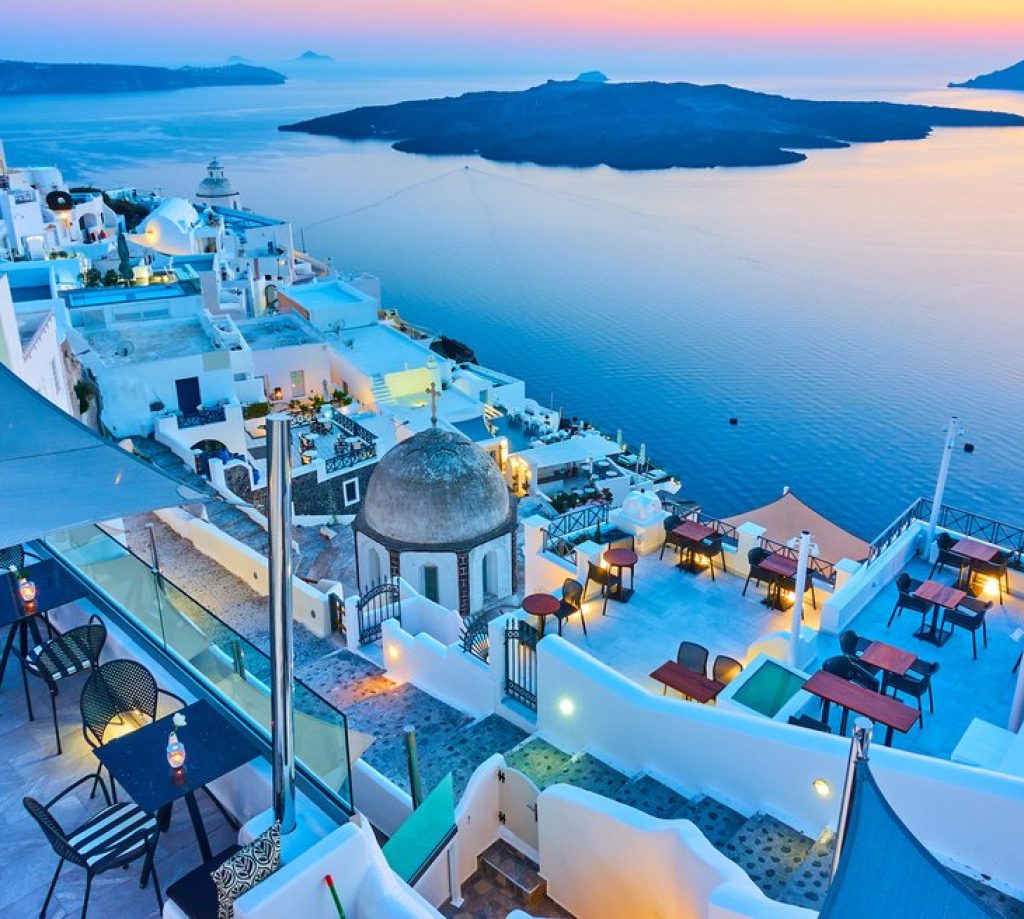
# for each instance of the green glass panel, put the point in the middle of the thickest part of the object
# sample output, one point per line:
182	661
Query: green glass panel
418	840
769	688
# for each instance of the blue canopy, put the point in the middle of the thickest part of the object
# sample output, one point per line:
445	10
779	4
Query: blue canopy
885	871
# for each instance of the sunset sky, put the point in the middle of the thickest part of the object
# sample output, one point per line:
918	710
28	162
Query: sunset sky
956	36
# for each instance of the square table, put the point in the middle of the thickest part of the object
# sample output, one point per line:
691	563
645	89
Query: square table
784	567
888	658
975	551
937	594
694	685
138	763
851	697
692	532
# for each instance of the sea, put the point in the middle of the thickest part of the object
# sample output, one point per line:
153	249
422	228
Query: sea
839	310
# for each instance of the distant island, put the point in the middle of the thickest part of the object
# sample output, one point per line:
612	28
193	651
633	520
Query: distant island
638	125
26	77
312	57
1011	77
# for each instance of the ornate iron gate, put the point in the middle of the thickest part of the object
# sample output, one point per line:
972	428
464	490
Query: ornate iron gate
382	600
521	663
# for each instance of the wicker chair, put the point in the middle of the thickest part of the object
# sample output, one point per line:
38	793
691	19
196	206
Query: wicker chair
906	585
692	656
114	838
58	658
571	603
605	579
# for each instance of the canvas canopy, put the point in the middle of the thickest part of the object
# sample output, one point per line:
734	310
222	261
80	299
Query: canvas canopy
58	473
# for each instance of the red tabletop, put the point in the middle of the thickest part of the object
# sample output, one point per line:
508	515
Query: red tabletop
694	530
541	604
888	657
620	558
940	594
863	701
976	551
779	564
696	686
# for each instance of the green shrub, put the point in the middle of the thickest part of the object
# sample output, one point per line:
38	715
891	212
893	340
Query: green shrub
255	410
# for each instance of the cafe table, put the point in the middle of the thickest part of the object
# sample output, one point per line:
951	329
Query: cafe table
937	594
784	567
620	559
137	761
692	532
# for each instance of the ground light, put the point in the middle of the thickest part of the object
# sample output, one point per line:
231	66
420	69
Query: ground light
566	706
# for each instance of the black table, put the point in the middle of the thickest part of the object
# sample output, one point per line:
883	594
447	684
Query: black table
54	588
138	763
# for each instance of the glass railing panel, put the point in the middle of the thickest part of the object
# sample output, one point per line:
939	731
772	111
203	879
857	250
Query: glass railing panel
227	662
425	833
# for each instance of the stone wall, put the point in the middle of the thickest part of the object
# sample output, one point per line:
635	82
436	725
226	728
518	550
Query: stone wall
309	497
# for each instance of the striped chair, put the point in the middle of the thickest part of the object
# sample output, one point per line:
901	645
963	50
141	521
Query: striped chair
114	838
55	660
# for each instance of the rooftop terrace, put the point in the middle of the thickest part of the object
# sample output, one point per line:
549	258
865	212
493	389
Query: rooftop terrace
149	341
283	331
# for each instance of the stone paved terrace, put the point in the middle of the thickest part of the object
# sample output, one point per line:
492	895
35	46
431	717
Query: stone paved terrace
671	605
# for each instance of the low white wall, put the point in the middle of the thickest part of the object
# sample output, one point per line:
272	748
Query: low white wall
604	859
445	671
310	607
421	616
385	804
966	816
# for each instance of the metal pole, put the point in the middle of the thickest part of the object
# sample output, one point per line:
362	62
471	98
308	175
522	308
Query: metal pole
859	744
282	712
1017	708
413	759
952	430
799	587
154	566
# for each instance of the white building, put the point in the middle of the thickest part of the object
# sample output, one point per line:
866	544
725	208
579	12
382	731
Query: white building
216	188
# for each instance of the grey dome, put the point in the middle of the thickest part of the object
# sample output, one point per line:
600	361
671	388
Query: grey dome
216	184
436	490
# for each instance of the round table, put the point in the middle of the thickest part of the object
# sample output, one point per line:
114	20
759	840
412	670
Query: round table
619	559
541	606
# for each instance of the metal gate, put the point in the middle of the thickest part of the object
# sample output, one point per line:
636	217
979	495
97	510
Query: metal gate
521	663
518	806
382	600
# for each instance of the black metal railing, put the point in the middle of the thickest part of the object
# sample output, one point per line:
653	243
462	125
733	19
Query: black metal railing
726	530
817	567
919	510
382	600
349	458
201	416
573	522
475	639
521	663
354	428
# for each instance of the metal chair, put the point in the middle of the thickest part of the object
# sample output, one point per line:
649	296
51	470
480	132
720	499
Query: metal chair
725	669
114	838
692	656
571	603
115	689
758	574
916	686
906	585
969	615
947	557
58	658
605	578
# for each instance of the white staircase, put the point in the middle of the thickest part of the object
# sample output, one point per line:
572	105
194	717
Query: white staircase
381	391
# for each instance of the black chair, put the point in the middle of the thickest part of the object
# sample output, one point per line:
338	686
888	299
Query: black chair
692	656
906	585
916	682
571	603
605	578
998	568
947	558
970	615
853	646
812	724
113	690
671	539
114	838
58	658
854	671
790	585
710	548
758	574
725	669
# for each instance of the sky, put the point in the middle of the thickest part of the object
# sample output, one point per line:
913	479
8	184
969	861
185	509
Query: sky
955	37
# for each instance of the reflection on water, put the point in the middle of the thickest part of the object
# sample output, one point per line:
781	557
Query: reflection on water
840	308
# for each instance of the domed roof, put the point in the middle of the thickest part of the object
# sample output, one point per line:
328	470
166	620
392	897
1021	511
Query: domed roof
212	187
437	489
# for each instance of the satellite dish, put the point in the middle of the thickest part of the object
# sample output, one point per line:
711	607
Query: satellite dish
125	348
337	326
60	201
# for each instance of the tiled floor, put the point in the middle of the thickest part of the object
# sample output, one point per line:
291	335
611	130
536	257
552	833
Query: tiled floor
33	768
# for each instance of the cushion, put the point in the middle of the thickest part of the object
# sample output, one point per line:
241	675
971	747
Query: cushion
245	869
195	894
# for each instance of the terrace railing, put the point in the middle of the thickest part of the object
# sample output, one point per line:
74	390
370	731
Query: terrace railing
579	520
726	530
919	510
349	458
818	567
354	429
201	416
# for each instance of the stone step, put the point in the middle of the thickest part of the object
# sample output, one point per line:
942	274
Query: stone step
591	774
468	747
808	884
769	851
717	821
538	760
647	794
514	871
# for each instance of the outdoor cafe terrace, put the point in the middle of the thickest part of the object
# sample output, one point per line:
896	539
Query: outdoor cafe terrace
672	604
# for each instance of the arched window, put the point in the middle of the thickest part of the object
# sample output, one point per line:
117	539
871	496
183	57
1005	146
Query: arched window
375	572
430	583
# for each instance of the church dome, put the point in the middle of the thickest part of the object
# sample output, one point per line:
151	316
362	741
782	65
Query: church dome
436	490
216	184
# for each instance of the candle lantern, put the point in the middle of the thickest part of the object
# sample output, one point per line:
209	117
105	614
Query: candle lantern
175	751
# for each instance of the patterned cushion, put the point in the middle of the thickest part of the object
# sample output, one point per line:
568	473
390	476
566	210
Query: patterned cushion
245	869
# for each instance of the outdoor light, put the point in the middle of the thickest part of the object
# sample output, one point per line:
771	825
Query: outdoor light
566	706
278	394
175	751
393	652
27	590
821	788
991	588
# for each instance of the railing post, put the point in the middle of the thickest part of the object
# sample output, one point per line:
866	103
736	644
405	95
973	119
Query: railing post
859	745
279	518
412	759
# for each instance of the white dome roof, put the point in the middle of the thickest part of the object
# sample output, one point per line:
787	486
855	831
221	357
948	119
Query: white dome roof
177	211
437	489
642	506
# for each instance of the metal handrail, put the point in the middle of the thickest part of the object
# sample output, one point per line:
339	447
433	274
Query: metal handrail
818	567
916	511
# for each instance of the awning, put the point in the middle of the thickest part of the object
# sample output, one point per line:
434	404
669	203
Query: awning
56	472
785	518
576	449
885	871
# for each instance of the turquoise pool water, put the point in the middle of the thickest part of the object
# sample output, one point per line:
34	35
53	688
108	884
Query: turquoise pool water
768	689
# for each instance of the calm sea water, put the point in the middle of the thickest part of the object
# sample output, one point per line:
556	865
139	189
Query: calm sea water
841	308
